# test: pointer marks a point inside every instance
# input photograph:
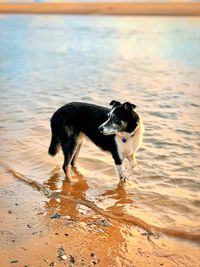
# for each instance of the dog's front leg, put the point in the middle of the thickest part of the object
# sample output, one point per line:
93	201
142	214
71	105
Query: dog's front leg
118	167
120	173
132	160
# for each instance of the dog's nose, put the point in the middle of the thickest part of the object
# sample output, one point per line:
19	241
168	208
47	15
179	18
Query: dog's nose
100	128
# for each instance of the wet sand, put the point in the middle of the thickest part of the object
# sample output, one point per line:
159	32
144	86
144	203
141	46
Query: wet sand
172	9
31	237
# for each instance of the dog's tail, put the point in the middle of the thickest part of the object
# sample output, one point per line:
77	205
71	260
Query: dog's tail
54	145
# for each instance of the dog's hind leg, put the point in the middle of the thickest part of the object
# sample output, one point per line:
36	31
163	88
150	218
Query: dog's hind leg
68	147
74	160
77	150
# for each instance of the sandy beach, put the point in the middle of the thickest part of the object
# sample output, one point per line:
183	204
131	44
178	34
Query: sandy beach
167	9
56	235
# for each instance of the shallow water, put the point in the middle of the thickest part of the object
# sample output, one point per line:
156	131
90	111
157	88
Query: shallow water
47	61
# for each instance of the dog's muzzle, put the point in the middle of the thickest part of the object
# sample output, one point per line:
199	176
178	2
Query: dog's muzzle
105	130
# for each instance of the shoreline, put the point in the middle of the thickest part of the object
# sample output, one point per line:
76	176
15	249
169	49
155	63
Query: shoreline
140	9
85	237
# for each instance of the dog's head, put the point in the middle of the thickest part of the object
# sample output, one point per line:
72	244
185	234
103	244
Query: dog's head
121	118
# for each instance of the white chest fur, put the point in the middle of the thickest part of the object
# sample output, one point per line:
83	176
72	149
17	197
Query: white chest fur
127	145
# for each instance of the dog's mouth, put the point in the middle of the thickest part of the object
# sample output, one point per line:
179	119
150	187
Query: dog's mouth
107	131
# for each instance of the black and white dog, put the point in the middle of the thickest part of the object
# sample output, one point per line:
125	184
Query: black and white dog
118	130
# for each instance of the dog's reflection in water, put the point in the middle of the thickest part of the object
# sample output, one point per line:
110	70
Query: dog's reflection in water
77	188
62	191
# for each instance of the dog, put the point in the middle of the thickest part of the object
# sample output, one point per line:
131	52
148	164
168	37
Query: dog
118	130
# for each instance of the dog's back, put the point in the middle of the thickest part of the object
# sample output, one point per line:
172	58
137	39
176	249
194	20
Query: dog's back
77	117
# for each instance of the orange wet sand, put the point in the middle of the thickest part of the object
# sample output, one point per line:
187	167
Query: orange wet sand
30	237
171	9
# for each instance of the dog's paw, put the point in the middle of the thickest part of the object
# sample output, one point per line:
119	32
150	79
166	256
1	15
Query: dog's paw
123	178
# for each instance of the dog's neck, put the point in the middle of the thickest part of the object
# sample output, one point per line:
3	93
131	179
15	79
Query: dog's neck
124	136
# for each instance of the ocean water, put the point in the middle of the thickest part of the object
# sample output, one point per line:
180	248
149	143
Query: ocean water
154	62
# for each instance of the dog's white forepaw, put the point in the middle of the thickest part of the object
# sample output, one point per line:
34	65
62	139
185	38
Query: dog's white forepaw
123	178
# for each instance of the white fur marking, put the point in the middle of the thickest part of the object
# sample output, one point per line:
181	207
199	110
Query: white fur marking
132	144
119	172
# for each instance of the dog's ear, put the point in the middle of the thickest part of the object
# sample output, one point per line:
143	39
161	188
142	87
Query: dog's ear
129	106
133	106
114	103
